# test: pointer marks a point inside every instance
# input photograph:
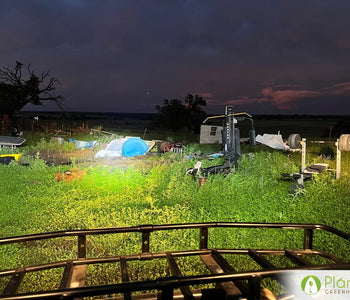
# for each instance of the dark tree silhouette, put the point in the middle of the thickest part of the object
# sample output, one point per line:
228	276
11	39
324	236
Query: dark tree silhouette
17	90
174	115
195	113
341	127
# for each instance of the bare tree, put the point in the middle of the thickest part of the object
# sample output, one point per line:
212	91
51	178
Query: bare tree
18	89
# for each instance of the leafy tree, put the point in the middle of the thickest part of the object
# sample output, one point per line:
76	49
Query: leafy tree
18	89
341	127
172	115
195	113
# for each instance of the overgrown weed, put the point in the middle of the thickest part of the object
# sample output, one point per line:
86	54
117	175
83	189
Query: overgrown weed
107	197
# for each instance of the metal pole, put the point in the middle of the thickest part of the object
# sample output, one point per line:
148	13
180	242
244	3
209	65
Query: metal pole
303	155
338	167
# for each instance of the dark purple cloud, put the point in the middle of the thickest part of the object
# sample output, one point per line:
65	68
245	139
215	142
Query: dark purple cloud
294	98
268	56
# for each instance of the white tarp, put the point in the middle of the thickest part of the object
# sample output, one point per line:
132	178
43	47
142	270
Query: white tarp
274	141
113	149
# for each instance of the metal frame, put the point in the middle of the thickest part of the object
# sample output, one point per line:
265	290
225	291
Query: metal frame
300	179
230	140
10	141
230	283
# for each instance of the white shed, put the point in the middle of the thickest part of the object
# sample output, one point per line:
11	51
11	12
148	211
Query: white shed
210	134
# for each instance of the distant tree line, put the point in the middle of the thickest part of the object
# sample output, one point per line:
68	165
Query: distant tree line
342	127
175	115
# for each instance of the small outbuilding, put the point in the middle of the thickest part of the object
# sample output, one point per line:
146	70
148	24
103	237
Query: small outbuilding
211	134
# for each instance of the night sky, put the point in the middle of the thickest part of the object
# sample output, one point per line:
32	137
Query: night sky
261	56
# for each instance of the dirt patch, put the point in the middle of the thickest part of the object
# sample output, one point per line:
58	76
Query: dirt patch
66	158
85	158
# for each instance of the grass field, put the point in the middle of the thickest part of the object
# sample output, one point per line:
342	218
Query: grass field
33	202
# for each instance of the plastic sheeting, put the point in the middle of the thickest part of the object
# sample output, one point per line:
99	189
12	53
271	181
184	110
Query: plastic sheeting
274	141
113	149
82	144
127	147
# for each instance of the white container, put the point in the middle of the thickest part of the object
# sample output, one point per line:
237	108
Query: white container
57	139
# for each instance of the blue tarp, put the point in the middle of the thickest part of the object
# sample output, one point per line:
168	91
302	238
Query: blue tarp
134	146
82	144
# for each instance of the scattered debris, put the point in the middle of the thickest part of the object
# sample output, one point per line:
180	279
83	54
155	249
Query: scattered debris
82	144
113	149
6	160
316	168
167	146
62	132
196	169
162	146
127	146
99	131
16	156
11	141
307	174
202	181
57	139
274	141
71	174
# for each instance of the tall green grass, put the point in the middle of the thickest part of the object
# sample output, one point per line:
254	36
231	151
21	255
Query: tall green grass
32	202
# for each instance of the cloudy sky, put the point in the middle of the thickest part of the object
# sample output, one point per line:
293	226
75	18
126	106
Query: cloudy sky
261	56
